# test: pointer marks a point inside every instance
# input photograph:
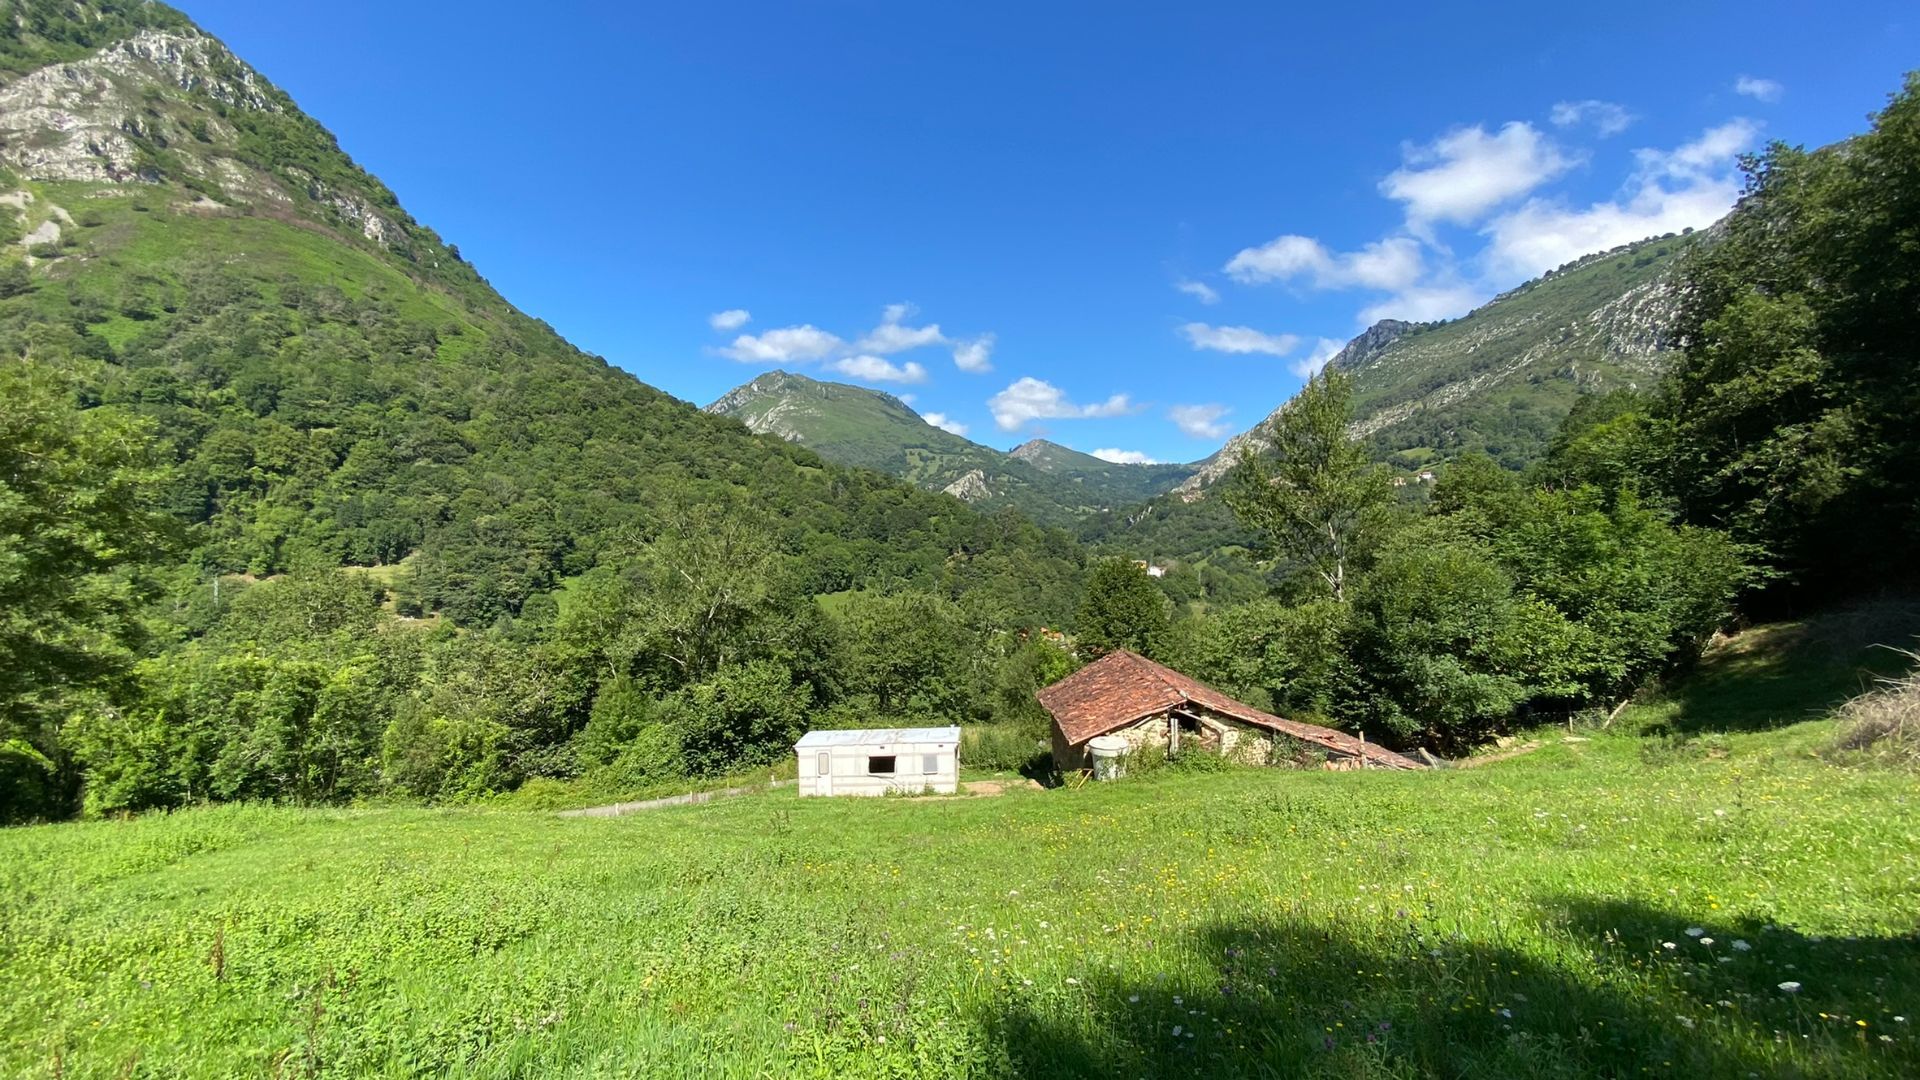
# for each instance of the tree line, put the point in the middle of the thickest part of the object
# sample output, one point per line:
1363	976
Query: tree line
266	538
1776	467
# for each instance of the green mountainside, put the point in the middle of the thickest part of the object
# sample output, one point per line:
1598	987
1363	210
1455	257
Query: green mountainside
1497	380
334	385
1500	378
872	429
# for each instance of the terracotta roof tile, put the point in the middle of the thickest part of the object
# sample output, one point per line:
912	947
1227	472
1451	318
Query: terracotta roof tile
1122	687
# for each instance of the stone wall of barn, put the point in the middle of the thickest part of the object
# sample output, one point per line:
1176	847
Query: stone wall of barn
1245	743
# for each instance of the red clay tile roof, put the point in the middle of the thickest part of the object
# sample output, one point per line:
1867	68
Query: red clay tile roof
1121	688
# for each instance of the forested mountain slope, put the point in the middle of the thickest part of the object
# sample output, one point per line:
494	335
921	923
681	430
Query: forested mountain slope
856	426
293	505
336	385
1501	378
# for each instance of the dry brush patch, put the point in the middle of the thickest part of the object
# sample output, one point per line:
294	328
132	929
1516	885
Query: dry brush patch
1884	724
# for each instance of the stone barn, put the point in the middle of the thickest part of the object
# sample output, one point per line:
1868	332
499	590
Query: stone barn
1152	706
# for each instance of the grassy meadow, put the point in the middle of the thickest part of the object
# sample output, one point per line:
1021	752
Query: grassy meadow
1674	896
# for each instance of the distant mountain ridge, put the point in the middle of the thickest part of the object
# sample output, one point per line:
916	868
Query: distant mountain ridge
873	429
1500	378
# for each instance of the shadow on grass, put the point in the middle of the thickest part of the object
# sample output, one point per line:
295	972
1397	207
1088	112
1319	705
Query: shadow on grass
1403	998
1848	979
1772	676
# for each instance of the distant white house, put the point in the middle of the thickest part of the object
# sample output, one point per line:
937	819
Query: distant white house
879	761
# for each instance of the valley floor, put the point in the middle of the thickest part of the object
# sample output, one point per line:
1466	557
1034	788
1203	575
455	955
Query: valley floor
1689	904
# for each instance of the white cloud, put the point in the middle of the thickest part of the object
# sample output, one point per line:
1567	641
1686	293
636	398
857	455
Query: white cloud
1200	421
1324	350
1384	264
945	423
1467	172
1607	117
1123	457
1028	399
1711	155
1279	259
786	345
1199	290
863	358
1428	302
875	369
1491	181
975	356
1392	263
1690	186
1238	339
1758	89
893	335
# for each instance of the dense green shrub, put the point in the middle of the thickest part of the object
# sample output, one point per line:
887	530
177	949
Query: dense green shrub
1002	748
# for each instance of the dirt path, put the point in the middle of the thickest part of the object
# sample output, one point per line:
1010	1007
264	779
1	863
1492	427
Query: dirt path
621	808
968	789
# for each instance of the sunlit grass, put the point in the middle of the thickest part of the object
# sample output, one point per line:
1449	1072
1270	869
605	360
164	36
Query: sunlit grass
1696	892
1509	920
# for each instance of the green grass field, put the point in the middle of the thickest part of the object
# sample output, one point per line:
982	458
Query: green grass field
1670	898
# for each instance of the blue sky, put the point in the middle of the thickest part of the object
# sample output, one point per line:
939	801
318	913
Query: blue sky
1127	228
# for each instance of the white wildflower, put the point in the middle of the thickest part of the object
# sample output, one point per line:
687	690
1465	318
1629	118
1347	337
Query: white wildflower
1176	1031
1133	999
1790	986
1668	945
1740	945
1706	941
1695	931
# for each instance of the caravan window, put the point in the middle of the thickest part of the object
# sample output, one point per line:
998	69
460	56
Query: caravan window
880	764
930	763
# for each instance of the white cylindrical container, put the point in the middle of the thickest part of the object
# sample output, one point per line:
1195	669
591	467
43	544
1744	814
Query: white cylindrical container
1109	757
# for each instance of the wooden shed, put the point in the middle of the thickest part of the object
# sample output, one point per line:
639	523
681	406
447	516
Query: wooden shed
880	761
1152	706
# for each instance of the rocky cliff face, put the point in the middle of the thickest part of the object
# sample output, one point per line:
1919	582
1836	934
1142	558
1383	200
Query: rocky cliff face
83	121
1372	341
1037	451
971	487
166	108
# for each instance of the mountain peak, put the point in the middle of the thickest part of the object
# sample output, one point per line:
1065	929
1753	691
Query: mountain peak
1370	343
873	429
135	96
1036	449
